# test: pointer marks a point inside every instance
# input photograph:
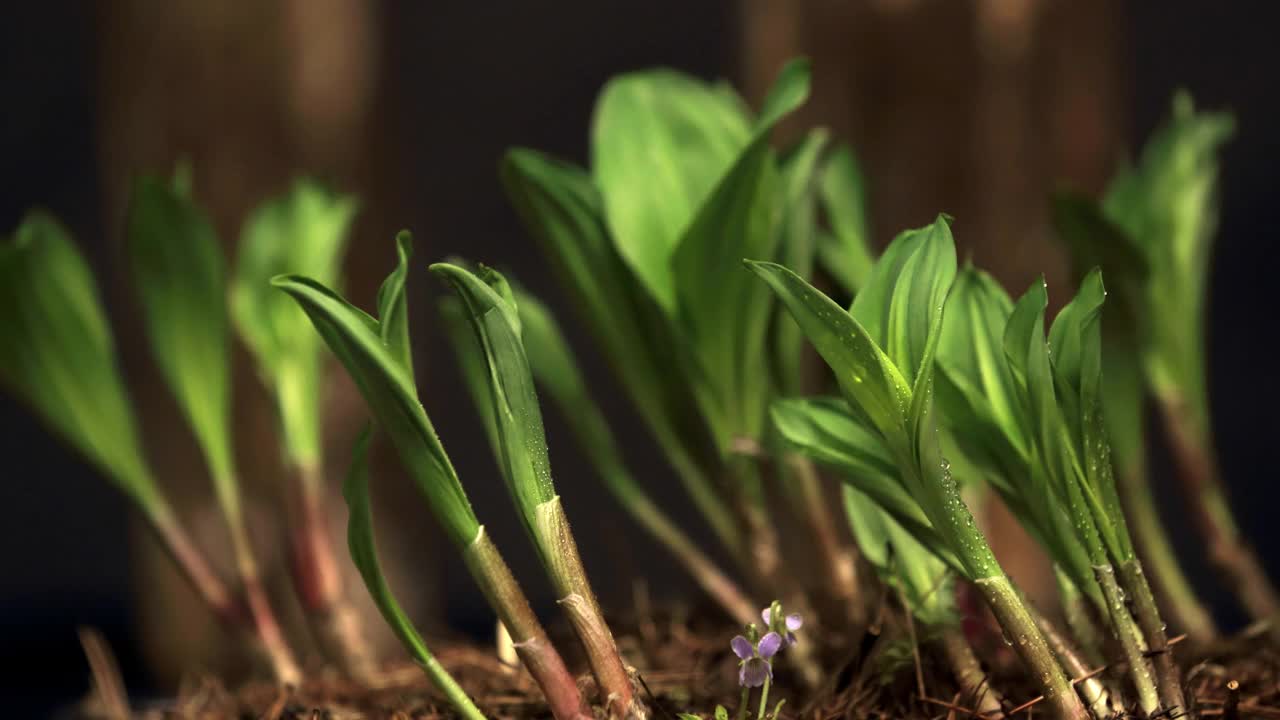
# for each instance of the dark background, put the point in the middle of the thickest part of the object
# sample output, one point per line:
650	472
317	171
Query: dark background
453	86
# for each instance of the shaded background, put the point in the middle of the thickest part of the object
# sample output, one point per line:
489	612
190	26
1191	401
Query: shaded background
976	108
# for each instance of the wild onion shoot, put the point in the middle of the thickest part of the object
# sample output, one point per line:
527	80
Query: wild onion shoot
376	354
522	453
303	231
181	277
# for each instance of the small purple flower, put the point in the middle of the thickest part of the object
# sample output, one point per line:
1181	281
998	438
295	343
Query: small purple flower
756	665
793	623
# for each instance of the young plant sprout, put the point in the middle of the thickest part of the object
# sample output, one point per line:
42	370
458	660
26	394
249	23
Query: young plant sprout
1163	212
556	372
882	353
58	355
364	554
825	430
683	181
303	231
180	274
376	353
522	454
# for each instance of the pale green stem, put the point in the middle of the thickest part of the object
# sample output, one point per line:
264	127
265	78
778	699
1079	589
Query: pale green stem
1132	643
744	708
1076	609
1180	601
1092	690
1148	616
563	563
537	653
836	556
1030	645
974	684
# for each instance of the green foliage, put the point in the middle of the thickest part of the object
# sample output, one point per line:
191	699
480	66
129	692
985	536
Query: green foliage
357	340
364	554
180	274
882	354
57	353
845	252
925	581
489	306
303	231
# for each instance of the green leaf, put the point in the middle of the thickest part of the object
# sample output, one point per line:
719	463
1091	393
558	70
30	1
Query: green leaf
563	211
901	560
797	245
364	554
356	340
867	377
722	713
846	252
726	313
556	371
825	430
180	274
474	368
660	143
393	308
901	304
1168	203
303	231
57	354
518	417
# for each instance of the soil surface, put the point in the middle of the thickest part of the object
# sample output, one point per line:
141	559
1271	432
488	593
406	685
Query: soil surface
688	668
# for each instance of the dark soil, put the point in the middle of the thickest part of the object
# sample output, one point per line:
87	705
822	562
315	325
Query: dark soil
689	668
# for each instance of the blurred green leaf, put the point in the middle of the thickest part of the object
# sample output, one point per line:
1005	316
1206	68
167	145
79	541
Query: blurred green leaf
563	211
846	252
1168	203
726	312
364	554
356	340
660	142
797	244
181	278
57	354
303	231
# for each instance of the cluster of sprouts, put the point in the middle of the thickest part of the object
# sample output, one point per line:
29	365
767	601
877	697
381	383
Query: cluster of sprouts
941	394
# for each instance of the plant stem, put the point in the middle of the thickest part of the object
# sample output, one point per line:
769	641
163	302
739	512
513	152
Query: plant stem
560	555
193	563
1093	690
1031	646
764	695
743	708
536	652
1132	644
1229	554
835	555
704	571
1180	600
259	606
1080	620
968	672
318	580
1148	616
